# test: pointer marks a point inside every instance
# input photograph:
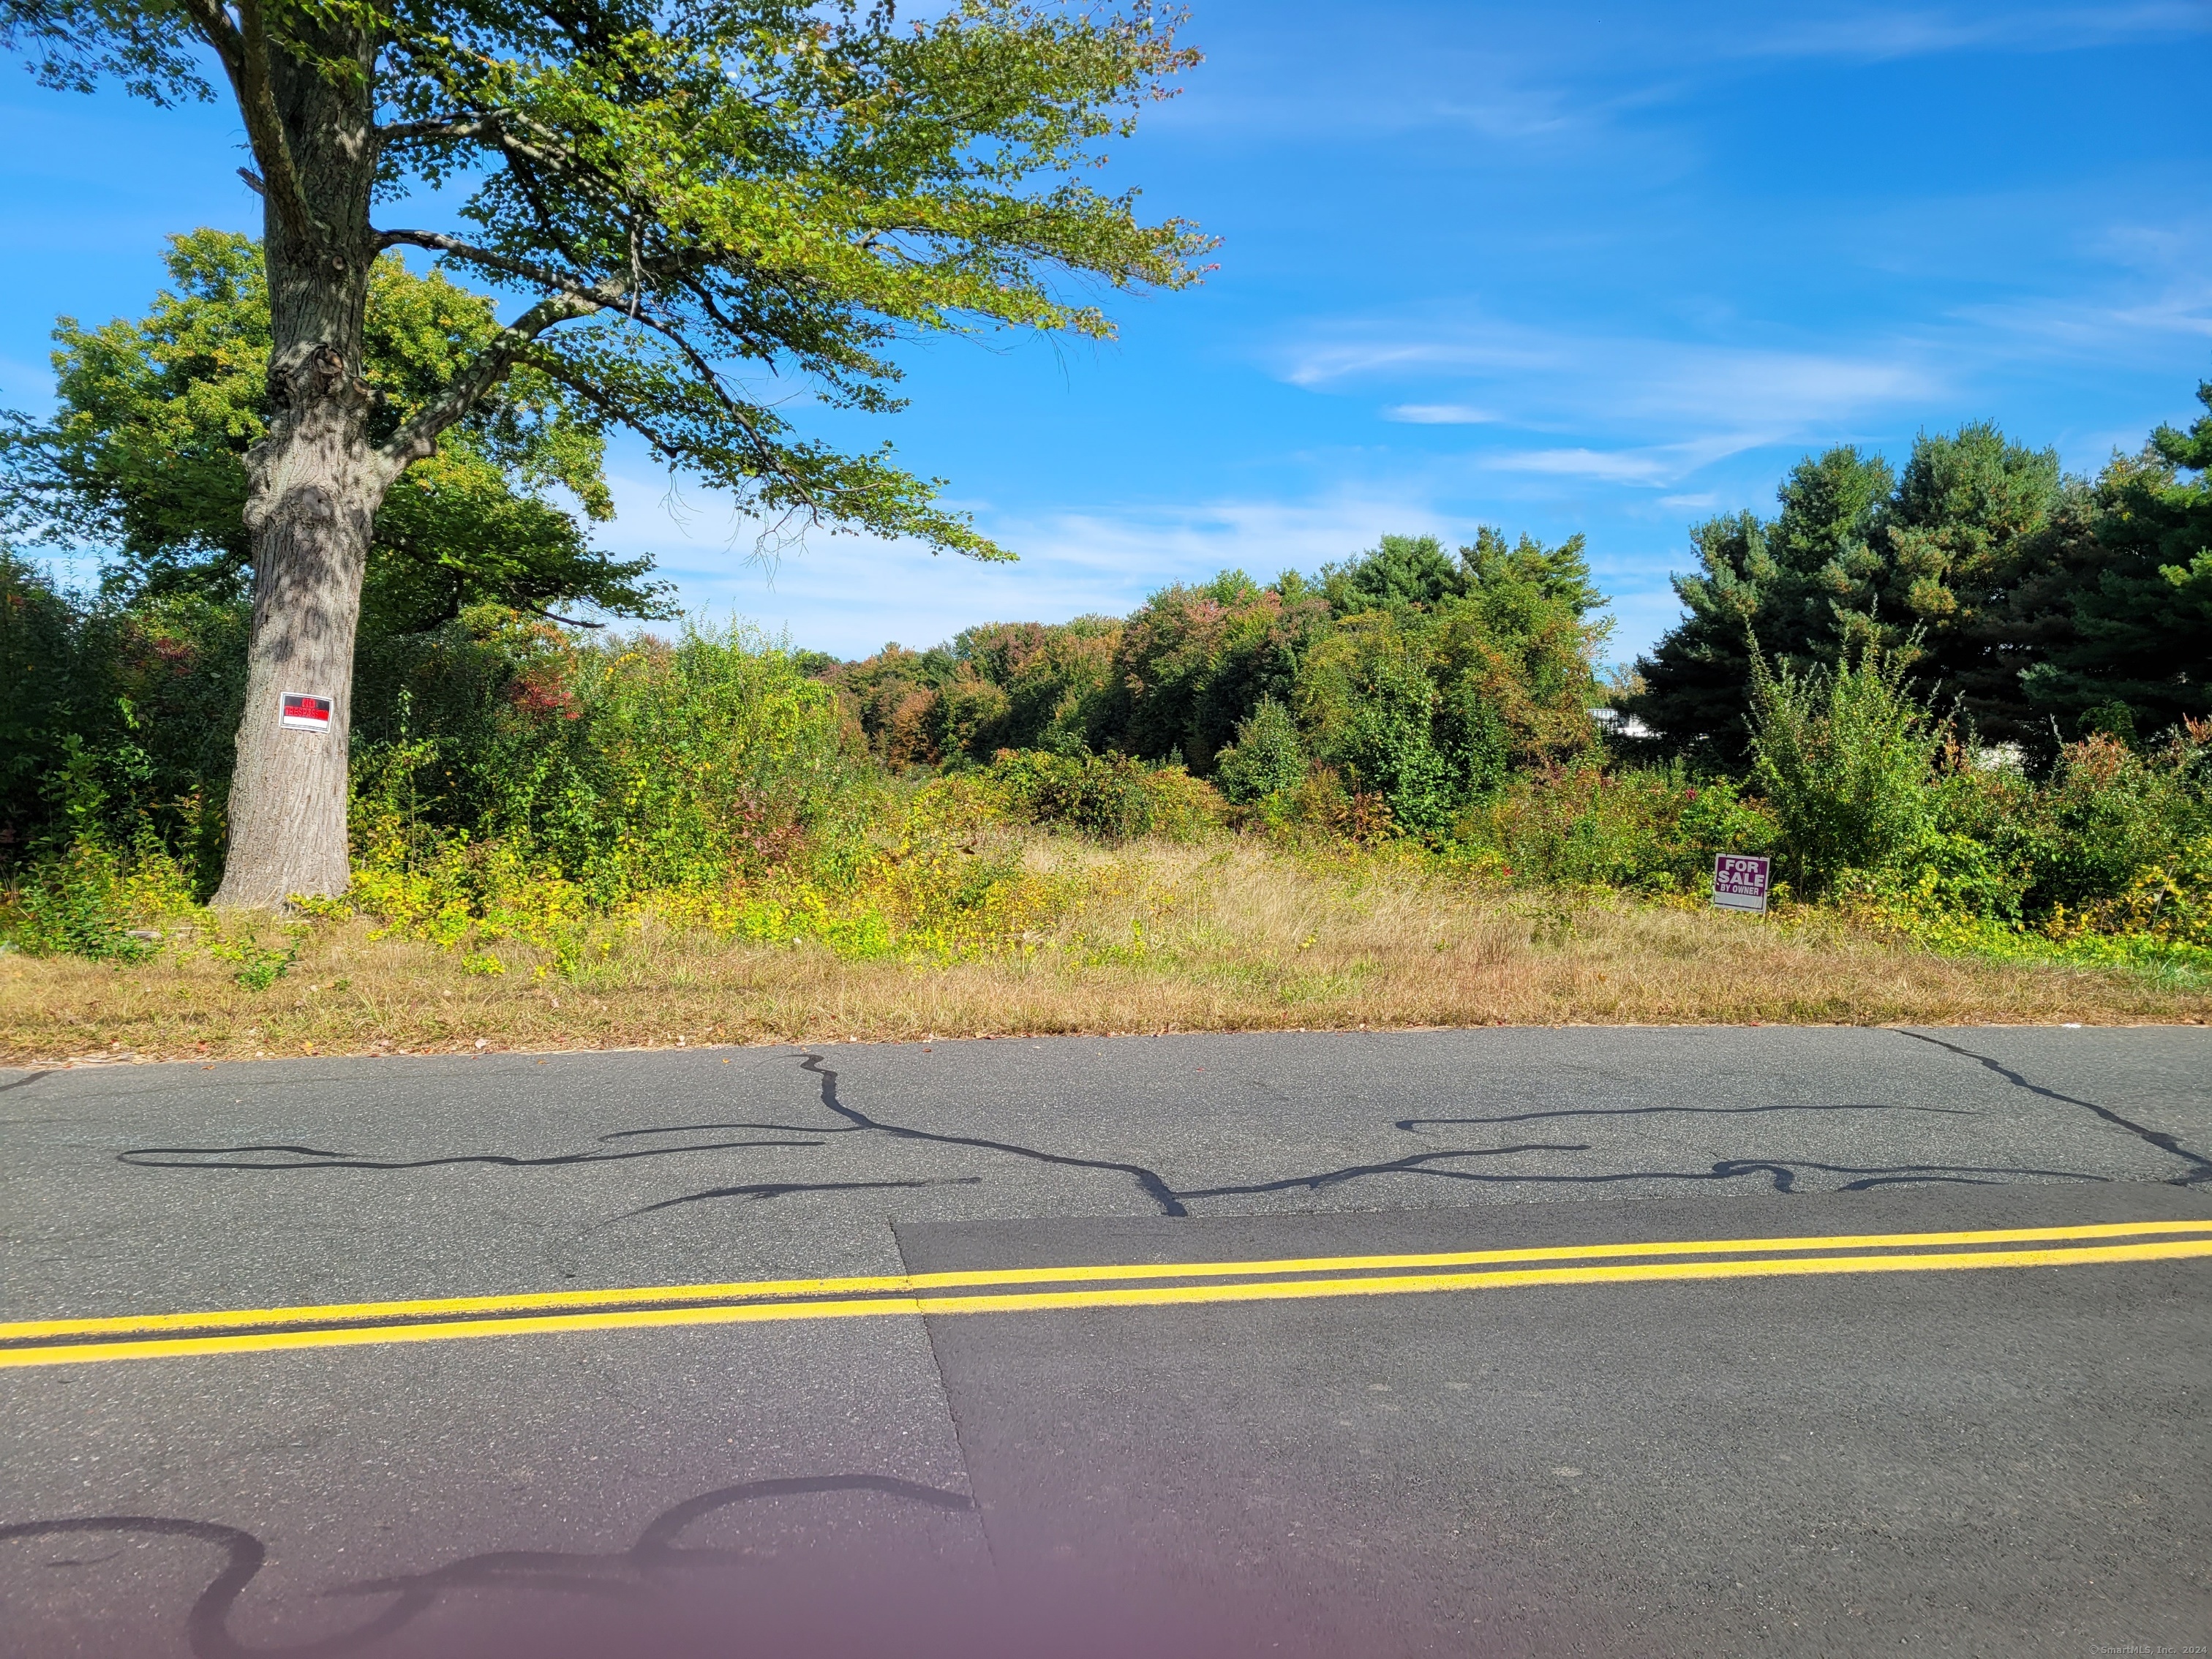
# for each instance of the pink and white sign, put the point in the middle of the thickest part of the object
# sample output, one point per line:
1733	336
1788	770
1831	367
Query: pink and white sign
1740	882
305	713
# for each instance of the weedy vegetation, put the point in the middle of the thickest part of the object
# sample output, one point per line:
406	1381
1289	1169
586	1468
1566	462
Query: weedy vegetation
1394	794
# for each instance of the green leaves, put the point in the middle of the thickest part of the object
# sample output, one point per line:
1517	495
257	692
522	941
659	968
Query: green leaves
699	204
2141	556
1847	758
2046	608
1267	759
147	453
152	49
746	193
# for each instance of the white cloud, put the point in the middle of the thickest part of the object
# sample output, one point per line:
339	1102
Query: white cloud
1654	466
1704	498
1615	467
850	594
1439	414
1878	36
1542	379
2142	326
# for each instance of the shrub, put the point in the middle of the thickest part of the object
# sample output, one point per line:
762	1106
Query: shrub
2171	900
1654	830
1267	759
115	716
2107	813
1376	714
89	900
625	767
1847	759
1111	796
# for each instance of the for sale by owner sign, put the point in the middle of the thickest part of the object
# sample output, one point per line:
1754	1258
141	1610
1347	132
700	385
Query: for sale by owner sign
1740	882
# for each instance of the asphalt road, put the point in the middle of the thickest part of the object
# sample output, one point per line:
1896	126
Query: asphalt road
1131	1346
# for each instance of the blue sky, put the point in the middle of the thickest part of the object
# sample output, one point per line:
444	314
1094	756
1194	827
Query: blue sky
1605	269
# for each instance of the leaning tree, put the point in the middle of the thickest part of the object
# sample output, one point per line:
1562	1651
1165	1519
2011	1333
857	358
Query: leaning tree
681	202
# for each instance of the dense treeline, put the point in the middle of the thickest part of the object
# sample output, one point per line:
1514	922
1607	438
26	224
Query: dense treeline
1417	676
2044	608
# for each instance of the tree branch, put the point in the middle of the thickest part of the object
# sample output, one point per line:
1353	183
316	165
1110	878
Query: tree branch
418	439
215	28
244	49
451	129
566	622
598	294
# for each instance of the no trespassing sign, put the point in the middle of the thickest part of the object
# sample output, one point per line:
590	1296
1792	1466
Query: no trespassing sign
304	713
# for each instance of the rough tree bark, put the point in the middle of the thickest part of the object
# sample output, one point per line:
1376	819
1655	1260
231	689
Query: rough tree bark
315	480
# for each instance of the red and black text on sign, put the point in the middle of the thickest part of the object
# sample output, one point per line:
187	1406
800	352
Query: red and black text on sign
307	713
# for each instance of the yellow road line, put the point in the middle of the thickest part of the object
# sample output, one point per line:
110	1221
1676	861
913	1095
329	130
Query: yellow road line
1136	1296
358	1312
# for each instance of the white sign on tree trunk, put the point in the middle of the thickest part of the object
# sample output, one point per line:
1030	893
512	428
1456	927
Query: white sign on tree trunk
1740	882
305	713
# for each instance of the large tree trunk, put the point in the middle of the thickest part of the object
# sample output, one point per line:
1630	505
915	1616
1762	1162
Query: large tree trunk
314	485
310	511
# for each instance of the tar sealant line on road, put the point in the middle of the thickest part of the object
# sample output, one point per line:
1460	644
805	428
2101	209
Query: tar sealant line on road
30	1342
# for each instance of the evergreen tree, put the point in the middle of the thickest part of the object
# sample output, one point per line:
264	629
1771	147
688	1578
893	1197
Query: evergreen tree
1796	585
1966	581
2140	658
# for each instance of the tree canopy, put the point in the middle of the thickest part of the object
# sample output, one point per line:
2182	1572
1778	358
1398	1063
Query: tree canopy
146	456
1419	679
2037	606
2139	658
697	207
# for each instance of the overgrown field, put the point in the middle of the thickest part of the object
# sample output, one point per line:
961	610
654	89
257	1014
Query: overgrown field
1405	814
1151	936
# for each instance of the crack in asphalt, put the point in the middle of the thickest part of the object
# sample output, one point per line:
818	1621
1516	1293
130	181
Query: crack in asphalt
621	1573
1172	1201
1415	1125
2200	1168
314	1157
1175	1201
1148	1180
785	1188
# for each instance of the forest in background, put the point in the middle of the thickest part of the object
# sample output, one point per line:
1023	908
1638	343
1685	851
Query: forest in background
1967	697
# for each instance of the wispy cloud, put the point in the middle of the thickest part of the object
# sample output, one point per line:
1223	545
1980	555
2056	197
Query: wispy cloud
1352	351
850	594
2148	327
1653	466
1876	36
1441	415
1537	378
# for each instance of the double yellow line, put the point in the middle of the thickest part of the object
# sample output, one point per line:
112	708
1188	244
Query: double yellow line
1124	1284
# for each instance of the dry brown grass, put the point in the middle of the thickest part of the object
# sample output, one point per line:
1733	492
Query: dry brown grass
1232	937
